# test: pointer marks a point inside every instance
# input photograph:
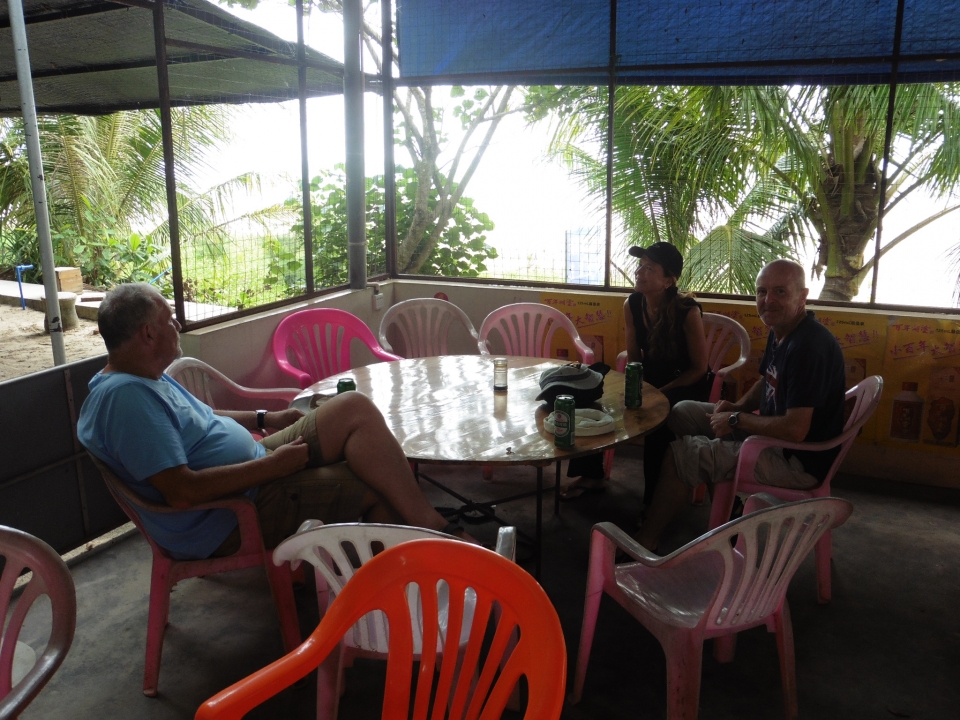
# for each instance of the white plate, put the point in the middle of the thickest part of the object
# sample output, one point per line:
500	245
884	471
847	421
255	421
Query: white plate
589	422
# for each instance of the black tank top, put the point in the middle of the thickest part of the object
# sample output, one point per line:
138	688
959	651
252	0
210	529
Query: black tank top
659	369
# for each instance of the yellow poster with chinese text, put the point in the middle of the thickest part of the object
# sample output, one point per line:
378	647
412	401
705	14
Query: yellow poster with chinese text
597	318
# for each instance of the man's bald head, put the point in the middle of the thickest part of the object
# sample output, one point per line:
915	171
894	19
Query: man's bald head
787	269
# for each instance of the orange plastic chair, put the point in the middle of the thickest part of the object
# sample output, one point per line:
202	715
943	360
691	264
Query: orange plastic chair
22	551
410	573
334	551
708	589
167	571
319	340
865	397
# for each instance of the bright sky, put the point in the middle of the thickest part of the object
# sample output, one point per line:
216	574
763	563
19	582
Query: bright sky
532	200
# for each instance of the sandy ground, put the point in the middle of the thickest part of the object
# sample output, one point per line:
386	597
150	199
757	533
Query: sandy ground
25	348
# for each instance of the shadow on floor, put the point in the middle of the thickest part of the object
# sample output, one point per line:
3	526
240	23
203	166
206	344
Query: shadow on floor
888	646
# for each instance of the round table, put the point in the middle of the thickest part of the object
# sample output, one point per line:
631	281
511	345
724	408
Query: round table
444	410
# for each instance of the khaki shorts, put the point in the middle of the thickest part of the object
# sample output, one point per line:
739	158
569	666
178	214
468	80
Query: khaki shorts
331	493
702	457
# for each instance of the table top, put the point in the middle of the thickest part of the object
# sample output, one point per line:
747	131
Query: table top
444	409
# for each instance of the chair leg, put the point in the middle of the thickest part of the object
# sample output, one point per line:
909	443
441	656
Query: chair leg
788	671
608	462
722	505
724	648
699	495
330	684
684	653
487	472
156	624
823	553
281	586
601	564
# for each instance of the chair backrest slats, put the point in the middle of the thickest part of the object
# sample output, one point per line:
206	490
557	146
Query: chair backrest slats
528	329
423	325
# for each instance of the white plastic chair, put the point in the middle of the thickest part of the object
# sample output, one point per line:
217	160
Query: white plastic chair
527	329
336	553
212	387
424	326
865	397
708	589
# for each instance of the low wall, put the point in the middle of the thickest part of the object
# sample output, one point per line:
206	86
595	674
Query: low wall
913	437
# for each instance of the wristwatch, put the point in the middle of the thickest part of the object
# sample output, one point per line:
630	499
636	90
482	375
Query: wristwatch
734	419
261	420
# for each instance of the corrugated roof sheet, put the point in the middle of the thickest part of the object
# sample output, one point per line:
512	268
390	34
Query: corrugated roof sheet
98	57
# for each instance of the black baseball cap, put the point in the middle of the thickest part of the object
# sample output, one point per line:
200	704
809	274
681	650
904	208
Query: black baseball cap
663	254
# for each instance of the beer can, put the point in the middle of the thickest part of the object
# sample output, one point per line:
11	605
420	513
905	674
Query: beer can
633	386
345	384
564	421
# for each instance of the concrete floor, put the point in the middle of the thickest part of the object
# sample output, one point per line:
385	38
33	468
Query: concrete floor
888	646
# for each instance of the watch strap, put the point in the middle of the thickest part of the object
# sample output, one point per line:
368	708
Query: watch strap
261	419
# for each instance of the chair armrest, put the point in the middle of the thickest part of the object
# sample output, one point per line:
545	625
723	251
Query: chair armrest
626	543
383	354
285	394
585	352
302	378
622	362
755	444
483	346
507	543
761	501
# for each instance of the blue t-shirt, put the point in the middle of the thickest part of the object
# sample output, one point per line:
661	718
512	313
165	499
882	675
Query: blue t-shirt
140	427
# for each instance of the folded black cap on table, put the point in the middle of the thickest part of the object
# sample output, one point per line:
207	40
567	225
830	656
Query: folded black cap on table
584	383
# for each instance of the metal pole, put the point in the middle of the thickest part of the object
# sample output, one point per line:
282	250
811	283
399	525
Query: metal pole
304	159
611	97
353	115
887	140
166	127
389	161
28	107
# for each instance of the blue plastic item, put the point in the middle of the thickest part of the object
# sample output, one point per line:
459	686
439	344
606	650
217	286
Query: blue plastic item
20	269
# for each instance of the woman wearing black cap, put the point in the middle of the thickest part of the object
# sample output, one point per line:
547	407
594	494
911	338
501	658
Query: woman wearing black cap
669	340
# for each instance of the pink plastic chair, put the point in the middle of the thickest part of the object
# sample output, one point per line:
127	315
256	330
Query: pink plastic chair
167	571
708	589
22	551
334	551
528	328
865	397
475	683
722	332
424	325
319	340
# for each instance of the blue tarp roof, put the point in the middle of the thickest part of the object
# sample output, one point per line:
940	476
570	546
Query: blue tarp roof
682	42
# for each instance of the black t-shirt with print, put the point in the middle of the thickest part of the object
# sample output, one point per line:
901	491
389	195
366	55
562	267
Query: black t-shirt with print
806	370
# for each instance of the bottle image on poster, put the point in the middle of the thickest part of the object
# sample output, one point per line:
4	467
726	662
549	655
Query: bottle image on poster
906	415
943	395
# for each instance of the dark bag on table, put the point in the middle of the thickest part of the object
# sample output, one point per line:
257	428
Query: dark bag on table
584	383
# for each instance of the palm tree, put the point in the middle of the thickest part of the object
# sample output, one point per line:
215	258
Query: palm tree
680	176
822	145
105	178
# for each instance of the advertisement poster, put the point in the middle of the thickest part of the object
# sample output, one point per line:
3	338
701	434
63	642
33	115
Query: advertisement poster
921	399
598	319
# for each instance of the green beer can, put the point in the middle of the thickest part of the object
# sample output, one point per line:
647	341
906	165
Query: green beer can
346	384
633	386
564	421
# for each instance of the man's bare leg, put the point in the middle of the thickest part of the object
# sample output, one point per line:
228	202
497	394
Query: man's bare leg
351	428
668	499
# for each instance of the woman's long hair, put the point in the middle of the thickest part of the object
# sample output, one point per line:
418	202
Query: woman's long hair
662	334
